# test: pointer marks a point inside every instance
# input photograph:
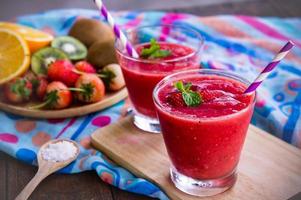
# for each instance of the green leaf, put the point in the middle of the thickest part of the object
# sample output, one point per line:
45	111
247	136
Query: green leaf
190	97
19	88
87	92
187	86
154	51
153	42
160	54
51	99
107	76
180	86
147	52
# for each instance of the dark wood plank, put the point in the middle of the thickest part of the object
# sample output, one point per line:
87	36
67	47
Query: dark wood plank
287	8
85	185
3	178
123	195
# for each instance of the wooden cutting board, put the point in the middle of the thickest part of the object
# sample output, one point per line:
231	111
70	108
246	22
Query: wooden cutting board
269	168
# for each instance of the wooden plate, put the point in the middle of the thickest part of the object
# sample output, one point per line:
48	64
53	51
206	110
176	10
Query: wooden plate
76	110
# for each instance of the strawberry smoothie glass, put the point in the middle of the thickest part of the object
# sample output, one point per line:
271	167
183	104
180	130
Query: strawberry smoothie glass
204	142
142	74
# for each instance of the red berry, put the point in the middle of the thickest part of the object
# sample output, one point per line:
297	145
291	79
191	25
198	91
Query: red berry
58	95
93	88
84	66
41	87
195	88
176	99
18	90
63	70
209	95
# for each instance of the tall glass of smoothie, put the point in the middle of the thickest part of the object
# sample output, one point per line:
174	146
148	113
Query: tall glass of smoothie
204	118
162	49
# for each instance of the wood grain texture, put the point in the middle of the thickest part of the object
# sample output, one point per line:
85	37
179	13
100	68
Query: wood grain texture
280	8
81	186
269	168
3	179
80	110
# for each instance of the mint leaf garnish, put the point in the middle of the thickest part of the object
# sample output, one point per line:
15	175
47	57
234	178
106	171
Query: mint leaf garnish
154	51
190	97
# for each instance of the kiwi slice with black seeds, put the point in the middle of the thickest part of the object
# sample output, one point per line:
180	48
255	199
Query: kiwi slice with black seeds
42	58
74	49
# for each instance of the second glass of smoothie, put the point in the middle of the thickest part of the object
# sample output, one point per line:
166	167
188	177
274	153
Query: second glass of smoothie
142	74
204	138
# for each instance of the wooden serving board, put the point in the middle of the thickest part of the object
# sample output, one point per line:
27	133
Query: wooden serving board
269	168
75	110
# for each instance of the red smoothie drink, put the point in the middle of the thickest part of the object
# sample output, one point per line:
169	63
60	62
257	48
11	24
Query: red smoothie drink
142	77
158	58
204	140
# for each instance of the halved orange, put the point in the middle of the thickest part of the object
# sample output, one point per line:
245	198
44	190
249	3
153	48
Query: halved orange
35	39
14	55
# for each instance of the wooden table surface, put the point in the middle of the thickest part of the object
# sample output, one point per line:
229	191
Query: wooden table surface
14	174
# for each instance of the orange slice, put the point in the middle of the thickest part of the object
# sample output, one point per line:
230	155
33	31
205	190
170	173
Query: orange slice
14	55
35	39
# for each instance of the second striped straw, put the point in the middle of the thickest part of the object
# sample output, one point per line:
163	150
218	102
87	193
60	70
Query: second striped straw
117	31
267	70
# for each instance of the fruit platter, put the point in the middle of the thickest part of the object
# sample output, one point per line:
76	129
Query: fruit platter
59	77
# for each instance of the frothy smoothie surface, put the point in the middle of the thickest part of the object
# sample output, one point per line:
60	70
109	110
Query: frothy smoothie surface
220	96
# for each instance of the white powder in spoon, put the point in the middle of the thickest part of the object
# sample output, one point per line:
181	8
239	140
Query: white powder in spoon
59	151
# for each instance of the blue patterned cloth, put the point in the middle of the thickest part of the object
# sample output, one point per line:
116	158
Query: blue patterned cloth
238	43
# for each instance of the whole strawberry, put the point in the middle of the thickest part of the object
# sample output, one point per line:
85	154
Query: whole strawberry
84	66
112	77
176	99
89	88
57	96
18	90
63	71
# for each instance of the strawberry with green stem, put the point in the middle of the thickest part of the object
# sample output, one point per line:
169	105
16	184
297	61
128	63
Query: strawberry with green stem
18	90
39	84
57	96
63	71
84	66
111	75
89	88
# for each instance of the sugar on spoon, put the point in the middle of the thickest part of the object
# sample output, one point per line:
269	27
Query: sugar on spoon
51	159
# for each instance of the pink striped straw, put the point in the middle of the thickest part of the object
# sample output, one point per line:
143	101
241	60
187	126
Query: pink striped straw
267	70
118	33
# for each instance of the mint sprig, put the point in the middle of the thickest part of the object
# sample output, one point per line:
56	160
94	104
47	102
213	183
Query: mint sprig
190	97
154	51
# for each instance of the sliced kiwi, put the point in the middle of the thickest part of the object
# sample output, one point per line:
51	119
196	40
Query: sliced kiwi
74	49
42	58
